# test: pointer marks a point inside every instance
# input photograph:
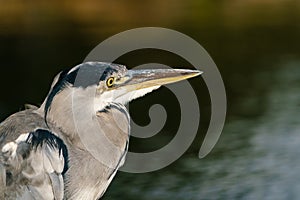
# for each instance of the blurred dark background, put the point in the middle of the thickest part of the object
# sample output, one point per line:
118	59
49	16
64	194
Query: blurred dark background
255	44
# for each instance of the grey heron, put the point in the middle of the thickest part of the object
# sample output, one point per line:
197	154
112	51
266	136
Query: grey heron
54	151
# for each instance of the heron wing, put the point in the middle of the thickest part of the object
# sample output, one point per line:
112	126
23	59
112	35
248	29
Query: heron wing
31	167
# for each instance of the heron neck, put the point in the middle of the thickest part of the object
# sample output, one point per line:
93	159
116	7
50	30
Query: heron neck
65	112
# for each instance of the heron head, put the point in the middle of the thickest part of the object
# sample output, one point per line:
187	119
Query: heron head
100	84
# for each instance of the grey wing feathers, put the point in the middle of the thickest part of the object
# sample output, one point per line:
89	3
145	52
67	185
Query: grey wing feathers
31	167
2	181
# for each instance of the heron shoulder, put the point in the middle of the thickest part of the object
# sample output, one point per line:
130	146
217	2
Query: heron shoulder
33	166
21	122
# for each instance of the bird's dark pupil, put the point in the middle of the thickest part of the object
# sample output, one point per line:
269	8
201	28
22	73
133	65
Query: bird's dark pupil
110	81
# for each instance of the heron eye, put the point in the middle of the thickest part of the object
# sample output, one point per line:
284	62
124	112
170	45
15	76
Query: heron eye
110	81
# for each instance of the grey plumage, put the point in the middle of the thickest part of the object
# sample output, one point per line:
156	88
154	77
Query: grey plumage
28	169
72	146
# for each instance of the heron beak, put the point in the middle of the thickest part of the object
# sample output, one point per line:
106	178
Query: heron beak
137	83
147	78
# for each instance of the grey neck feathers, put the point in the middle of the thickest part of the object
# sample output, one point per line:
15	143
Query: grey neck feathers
65	109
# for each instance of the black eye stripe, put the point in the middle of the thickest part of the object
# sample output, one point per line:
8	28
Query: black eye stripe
107	72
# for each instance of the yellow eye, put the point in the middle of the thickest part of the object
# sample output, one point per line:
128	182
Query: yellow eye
110	81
